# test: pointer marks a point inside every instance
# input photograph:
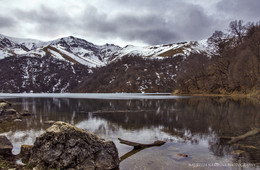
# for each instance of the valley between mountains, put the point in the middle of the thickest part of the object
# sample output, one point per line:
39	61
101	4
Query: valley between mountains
225	63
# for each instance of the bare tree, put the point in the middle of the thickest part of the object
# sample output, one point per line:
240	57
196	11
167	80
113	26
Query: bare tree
238	30
253	39
216	37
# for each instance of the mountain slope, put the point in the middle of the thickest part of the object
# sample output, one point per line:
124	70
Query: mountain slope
71	49
72	64
76	50
166	50
33	74
132	75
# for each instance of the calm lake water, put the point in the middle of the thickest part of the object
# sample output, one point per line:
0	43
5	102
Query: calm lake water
189	125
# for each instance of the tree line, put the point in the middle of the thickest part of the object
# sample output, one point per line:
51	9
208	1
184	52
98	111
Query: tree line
234	68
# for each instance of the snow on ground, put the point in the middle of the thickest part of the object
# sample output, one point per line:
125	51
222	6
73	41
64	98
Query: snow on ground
36	52
19	51
56	55
29	43
158	51
92	55
78	59
4	54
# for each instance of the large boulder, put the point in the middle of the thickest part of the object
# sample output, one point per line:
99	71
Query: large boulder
5	146
67	147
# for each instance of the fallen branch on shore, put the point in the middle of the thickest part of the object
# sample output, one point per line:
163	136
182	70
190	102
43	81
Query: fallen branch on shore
130	153
235	139
137	147
141	145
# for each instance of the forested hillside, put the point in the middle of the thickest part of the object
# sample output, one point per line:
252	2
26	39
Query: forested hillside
33	74
233	69
134	74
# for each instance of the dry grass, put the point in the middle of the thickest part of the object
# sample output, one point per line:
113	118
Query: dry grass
252	94
172	52
46	50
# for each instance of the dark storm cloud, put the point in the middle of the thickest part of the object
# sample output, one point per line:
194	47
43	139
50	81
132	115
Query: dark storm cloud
45	20
240	9
152	27
149	22
193	23
6	22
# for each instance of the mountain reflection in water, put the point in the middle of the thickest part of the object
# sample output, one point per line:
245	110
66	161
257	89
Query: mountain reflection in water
188	125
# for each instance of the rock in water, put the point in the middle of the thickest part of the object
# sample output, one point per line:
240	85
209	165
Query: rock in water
65	146
5	146
4	105
25	152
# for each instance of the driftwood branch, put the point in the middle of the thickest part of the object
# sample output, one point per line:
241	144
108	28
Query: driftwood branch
137	147
141	145
129	154
235	139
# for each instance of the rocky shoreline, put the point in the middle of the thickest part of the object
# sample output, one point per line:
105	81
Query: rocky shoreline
61	146
8	113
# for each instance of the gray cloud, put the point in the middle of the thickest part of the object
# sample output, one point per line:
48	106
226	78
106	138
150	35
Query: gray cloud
155	27
6	22
193	23
150	29
240	9
46	21
148	25
150	22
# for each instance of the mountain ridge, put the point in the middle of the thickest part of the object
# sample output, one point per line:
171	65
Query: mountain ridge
72	64
225	63
78	50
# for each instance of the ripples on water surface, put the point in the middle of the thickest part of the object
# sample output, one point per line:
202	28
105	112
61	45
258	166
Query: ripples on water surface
189	125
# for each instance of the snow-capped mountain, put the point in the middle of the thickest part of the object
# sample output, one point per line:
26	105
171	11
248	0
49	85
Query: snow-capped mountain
76	50
66	65
71	49
166	50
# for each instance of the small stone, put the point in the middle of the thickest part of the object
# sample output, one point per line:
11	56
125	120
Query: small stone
182	155
10	112
3	107
25	113
5	146
18	120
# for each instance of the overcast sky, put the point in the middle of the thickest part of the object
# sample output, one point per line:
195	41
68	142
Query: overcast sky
122	22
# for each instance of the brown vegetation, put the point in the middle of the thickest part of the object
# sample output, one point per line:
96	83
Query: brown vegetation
133	74
33	74
234	70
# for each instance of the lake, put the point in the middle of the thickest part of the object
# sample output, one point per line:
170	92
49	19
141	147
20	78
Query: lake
189	125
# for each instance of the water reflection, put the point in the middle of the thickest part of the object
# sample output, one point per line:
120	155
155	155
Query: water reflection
188	125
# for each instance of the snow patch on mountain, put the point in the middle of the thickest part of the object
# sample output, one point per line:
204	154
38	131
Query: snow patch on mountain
76	50
29	43
166	50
